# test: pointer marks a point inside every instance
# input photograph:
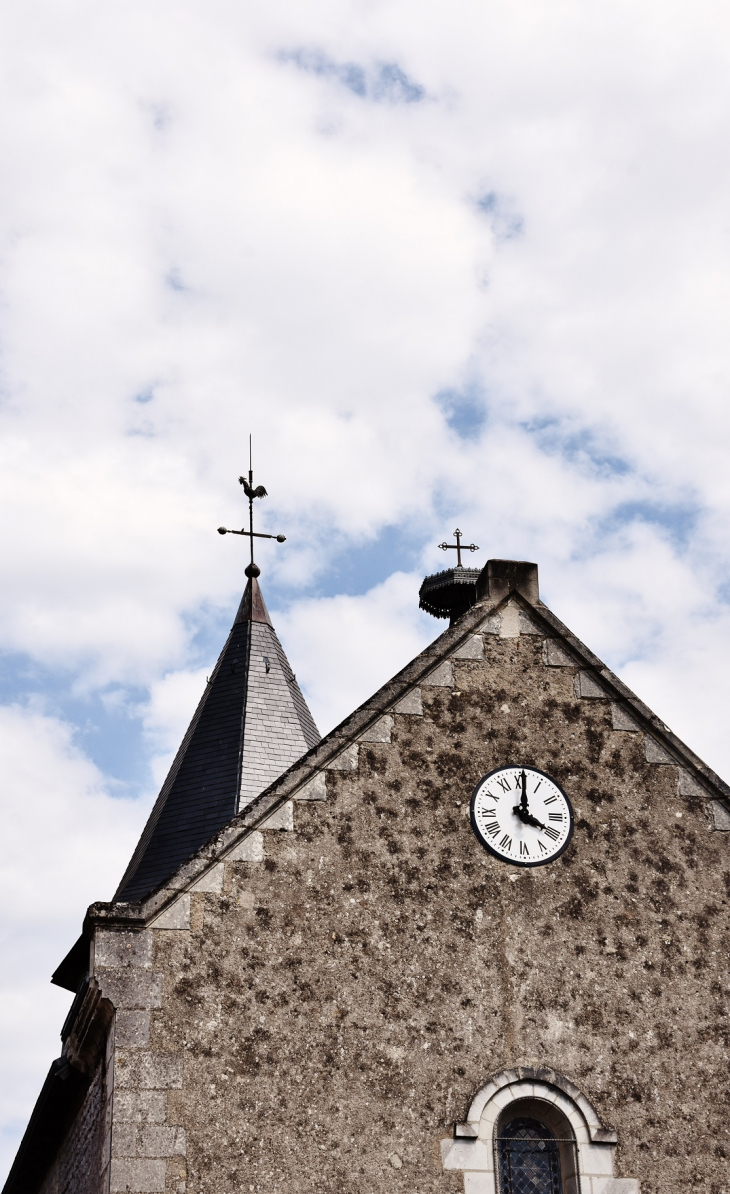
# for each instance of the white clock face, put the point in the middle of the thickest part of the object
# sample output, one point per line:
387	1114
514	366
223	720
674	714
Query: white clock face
521	816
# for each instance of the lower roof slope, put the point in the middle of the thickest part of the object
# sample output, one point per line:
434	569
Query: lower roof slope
251	724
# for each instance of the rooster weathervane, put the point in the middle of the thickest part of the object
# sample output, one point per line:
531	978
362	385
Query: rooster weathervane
252	569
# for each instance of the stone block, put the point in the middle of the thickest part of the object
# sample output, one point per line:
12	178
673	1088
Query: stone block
211	881
528	625
137	1176
654	752
687	785
595	1161
479	1183
124	1140
380	731
130	988
314	789
121	947
554	654
175	916
588	687
161	1141
251	849
140	1107
720	815
441	676
621	719
466	1154
148	1071
132	1028
473	648
411	703
510	625
614	1185
281	818
346	760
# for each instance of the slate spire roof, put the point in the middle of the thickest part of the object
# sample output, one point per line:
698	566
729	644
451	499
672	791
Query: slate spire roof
251	724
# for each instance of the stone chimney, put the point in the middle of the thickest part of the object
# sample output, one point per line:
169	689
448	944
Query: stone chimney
499	578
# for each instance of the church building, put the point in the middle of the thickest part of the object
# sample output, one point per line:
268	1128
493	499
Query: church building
474	939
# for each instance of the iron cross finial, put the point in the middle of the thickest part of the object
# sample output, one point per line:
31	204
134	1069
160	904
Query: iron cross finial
458	547
252	569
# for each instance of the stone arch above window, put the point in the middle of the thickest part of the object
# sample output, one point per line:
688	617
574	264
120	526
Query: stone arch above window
552	1100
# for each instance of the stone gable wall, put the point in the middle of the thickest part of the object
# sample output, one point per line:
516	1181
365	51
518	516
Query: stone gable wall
319	1013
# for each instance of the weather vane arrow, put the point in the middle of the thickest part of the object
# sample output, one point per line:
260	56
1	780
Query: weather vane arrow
252	569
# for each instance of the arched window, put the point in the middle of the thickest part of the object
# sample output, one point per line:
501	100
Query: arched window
529	1159
531	1131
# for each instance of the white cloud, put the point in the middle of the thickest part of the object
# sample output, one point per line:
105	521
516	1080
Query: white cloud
66	842
376	635
167	714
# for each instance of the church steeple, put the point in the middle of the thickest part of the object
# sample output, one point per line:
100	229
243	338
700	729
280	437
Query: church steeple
251	724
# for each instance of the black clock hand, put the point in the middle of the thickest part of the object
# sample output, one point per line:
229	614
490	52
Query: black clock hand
527	818
521	810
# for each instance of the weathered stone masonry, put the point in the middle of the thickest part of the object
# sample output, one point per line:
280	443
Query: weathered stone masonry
322	1003
342	990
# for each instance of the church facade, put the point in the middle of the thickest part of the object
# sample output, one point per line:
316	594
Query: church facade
326	970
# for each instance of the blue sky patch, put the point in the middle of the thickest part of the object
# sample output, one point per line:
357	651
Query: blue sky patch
353	569
506	222
381	82
464	410
357	569
581	447
677	520
174	280
106	723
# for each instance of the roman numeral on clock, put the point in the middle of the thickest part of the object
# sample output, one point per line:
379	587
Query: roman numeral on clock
506	842
543	849
555	816
524	852
492	828
550	800
552	833
503	783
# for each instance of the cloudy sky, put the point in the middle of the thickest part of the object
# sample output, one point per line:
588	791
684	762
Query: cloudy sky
451	262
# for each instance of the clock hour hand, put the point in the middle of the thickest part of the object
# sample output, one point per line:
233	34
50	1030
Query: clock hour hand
527	818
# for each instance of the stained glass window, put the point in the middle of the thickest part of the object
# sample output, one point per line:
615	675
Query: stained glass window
529	1160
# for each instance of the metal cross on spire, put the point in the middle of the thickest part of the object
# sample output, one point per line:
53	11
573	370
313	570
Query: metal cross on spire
252	569
458	547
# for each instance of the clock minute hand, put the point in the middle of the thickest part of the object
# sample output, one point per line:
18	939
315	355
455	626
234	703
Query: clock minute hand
523	797
522	810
